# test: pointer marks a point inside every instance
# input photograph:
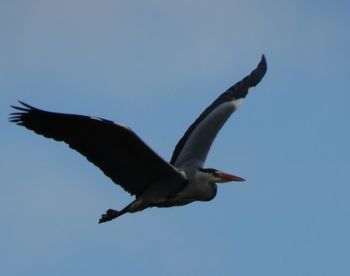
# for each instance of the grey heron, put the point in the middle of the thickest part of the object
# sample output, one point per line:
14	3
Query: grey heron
133	165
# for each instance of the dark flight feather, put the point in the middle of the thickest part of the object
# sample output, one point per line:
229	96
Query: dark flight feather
235	92
115	149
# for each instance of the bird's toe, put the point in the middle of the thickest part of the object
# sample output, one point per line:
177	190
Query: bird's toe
109	215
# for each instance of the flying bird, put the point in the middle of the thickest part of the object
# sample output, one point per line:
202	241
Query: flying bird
130	163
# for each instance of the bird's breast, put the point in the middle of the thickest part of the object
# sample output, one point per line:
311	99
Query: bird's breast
199	191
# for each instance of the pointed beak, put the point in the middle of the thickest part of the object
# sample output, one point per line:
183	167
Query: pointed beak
225	177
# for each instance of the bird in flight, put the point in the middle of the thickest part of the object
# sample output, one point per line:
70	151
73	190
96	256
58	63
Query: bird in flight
133	165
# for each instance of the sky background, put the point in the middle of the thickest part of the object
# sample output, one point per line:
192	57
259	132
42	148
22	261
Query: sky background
155	65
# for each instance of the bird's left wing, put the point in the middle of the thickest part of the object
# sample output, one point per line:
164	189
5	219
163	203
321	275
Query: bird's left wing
115	149
192	149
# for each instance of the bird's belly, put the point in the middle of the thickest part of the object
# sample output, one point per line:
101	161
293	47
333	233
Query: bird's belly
197	193
190	193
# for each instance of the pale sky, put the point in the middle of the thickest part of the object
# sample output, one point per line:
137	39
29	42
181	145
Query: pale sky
154	66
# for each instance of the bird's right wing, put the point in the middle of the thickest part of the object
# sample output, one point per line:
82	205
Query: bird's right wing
192	149
115	149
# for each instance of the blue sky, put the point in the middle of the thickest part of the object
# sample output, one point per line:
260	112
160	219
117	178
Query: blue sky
155	65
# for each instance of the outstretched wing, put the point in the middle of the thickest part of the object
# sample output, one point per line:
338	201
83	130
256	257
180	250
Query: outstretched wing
192	149
115	149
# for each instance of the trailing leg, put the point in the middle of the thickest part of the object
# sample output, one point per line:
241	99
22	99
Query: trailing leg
135	206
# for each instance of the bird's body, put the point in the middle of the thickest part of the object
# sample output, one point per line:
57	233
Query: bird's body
130	163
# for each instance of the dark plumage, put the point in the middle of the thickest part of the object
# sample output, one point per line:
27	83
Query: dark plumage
130	163
235	92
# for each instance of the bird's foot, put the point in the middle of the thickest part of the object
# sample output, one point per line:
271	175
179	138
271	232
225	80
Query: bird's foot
109	215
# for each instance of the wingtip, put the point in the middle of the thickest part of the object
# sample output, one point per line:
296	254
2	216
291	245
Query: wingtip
26	105
262	66
23	109
256	76
263	62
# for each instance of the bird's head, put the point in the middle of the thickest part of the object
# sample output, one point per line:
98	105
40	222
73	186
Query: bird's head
216	176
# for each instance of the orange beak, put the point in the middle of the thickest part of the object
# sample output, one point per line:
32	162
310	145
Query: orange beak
225	177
